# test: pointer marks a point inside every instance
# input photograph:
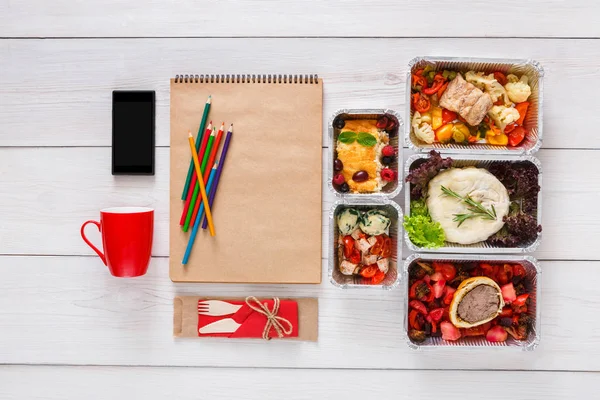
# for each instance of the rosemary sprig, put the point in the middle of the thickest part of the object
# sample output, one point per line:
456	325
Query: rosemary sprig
476	208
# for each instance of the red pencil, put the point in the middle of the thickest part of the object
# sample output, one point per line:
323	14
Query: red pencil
193	182
211	161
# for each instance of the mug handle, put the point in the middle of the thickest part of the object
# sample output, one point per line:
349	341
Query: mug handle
100	254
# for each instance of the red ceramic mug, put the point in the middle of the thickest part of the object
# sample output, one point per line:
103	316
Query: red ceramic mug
126	239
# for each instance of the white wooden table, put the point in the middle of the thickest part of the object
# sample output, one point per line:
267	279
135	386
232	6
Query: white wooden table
68	330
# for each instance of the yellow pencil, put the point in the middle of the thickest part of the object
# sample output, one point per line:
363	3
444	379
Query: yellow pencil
211	227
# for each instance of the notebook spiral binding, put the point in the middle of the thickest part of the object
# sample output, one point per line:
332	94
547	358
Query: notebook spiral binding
275	78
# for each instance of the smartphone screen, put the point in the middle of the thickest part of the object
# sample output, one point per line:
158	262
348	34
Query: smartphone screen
133	133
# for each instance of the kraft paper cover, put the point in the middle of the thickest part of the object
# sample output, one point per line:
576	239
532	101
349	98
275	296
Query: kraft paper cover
267	211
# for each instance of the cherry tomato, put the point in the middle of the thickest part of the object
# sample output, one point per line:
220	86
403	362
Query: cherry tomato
422	291
436	314
500	77
417	305
377	248
419	80
488	270
518	271
516	136
421	102
348	246
386	251
446	269
378	277
505	274
355	256
369	271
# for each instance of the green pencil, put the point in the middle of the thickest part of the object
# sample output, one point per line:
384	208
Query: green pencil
186	187
188	217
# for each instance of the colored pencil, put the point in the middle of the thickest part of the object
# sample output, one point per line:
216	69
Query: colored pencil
192	238
194	200
213	191
186	187
188	200
206	171
201	183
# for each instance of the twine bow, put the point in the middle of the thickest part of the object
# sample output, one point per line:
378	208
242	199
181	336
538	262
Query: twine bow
273	321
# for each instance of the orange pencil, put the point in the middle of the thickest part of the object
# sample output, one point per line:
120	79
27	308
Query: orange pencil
211	227
211	161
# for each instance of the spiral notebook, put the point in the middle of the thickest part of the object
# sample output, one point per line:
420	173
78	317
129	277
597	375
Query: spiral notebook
267	211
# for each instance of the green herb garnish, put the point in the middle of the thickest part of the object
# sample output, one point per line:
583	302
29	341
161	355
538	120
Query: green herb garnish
363	138
347	137
366	139
476	208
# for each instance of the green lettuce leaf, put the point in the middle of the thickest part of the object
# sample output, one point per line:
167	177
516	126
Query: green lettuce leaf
423	232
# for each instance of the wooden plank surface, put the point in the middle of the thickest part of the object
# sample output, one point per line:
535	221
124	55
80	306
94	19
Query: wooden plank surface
68	310
345	18
58	92
49	192
91	383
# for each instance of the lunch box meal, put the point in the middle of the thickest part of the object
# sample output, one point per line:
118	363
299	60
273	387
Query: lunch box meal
473	203
365	245
486	104
364	152
472	301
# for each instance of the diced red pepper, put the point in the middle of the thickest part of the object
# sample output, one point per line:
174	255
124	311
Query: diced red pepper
449	295
442	90
506	312
516	136
438	81
518	271
436	276
509	128
413	320
521	300
522	109
448	116
500	77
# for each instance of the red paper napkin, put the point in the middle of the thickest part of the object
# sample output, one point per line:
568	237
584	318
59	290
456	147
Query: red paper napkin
252	322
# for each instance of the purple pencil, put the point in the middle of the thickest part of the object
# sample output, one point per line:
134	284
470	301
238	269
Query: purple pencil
213	191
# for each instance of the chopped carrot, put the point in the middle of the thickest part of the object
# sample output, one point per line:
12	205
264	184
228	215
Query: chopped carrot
522	109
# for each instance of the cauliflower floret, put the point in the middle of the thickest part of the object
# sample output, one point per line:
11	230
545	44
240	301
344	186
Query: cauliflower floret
477	79
518	91
422	130
512	78
503	116
489	84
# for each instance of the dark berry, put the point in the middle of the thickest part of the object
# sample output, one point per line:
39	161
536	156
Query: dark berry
344	188
338	179
387	160
360	176
505	321
339	123
382	122
338	165
392	124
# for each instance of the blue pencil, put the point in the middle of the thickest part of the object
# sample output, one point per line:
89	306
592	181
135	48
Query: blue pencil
190	244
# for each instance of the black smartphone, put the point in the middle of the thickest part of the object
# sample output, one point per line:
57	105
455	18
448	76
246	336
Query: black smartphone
133	132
